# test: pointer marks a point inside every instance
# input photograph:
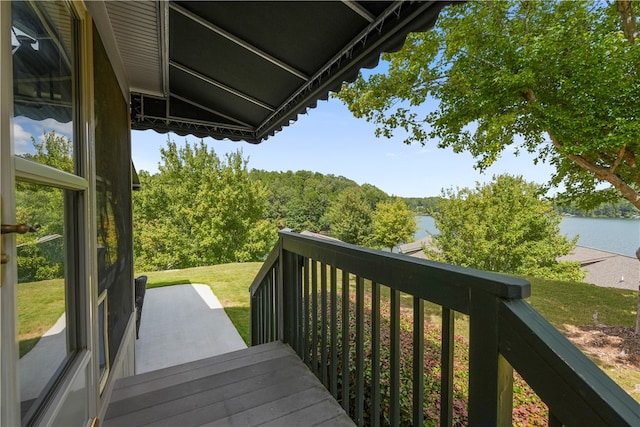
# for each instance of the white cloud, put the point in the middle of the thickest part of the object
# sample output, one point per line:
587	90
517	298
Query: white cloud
21	139
391	155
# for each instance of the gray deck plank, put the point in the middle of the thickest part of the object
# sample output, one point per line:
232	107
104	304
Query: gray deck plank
172	378
199	364
257	375
320	412
258	385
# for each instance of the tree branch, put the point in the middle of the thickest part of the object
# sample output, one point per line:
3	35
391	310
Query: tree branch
618	160
601	173
629	25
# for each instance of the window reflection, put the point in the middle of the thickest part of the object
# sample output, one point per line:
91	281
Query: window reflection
43	76
43	42
42	291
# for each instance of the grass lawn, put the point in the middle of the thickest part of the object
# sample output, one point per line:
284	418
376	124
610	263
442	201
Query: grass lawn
40	305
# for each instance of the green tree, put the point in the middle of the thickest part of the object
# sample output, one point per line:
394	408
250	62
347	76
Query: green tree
199	210
393	223
350	217
505	227
557	79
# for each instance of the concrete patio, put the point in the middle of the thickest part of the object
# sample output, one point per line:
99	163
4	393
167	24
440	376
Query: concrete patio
180	324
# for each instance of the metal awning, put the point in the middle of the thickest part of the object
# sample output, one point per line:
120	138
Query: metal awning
243	70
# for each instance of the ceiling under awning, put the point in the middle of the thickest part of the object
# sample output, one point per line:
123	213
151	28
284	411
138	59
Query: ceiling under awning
243	70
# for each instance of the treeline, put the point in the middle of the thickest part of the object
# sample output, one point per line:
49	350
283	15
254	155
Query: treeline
200	209
301	200
422	205
620	209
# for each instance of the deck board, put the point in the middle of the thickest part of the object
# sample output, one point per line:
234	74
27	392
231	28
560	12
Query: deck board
262	385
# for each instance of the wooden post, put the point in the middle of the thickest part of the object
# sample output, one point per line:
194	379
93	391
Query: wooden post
490	375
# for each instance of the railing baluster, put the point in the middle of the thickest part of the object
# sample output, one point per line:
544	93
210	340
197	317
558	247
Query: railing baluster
255	302
334	333
314	317
375	354
305	316
266	311
359	351
418	361
261	314
275	311
446	368
323	324
394	366
346	342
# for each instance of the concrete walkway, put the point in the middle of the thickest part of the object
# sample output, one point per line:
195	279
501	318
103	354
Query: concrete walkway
180	324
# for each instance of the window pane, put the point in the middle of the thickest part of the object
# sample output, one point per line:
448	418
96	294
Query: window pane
43	82
45	287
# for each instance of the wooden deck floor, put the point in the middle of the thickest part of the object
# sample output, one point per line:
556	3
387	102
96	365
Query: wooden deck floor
266	385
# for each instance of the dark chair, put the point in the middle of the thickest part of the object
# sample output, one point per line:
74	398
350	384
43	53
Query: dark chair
141	288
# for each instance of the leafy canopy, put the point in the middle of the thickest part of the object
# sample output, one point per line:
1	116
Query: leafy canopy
557	79
199	210
393	223
505	227
349	217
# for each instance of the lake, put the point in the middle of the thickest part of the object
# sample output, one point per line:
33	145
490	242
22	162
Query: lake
621	236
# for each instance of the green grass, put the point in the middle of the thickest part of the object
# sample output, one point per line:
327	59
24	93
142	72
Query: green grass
569	303
40	304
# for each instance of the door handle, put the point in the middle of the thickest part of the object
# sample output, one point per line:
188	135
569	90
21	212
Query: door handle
20	228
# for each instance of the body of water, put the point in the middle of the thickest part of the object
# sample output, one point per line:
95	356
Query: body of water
621	236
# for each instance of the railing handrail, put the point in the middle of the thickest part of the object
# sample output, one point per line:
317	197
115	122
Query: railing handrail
505	331
408	274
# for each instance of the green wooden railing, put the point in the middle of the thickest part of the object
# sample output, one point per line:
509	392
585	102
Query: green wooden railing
307	283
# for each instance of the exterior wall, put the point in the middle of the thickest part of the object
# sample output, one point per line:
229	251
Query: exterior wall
114	217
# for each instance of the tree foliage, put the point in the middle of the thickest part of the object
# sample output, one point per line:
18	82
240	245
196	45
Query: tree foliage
199	210
393	223
301	200
505	227
558	79
40	255
350	217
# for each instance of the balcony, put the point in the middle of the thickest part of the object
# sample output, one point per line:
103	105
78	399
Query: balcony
317	365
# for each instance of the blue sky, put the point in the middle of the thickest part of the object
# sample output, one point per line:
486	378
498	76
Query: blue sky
329	140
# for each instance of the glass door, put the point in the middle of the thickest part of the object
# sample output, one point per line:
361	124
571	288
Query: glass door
44	290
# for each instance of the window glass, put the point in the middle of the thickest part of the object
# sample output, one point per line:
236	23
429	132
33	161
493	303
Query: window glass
42	41
44	290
